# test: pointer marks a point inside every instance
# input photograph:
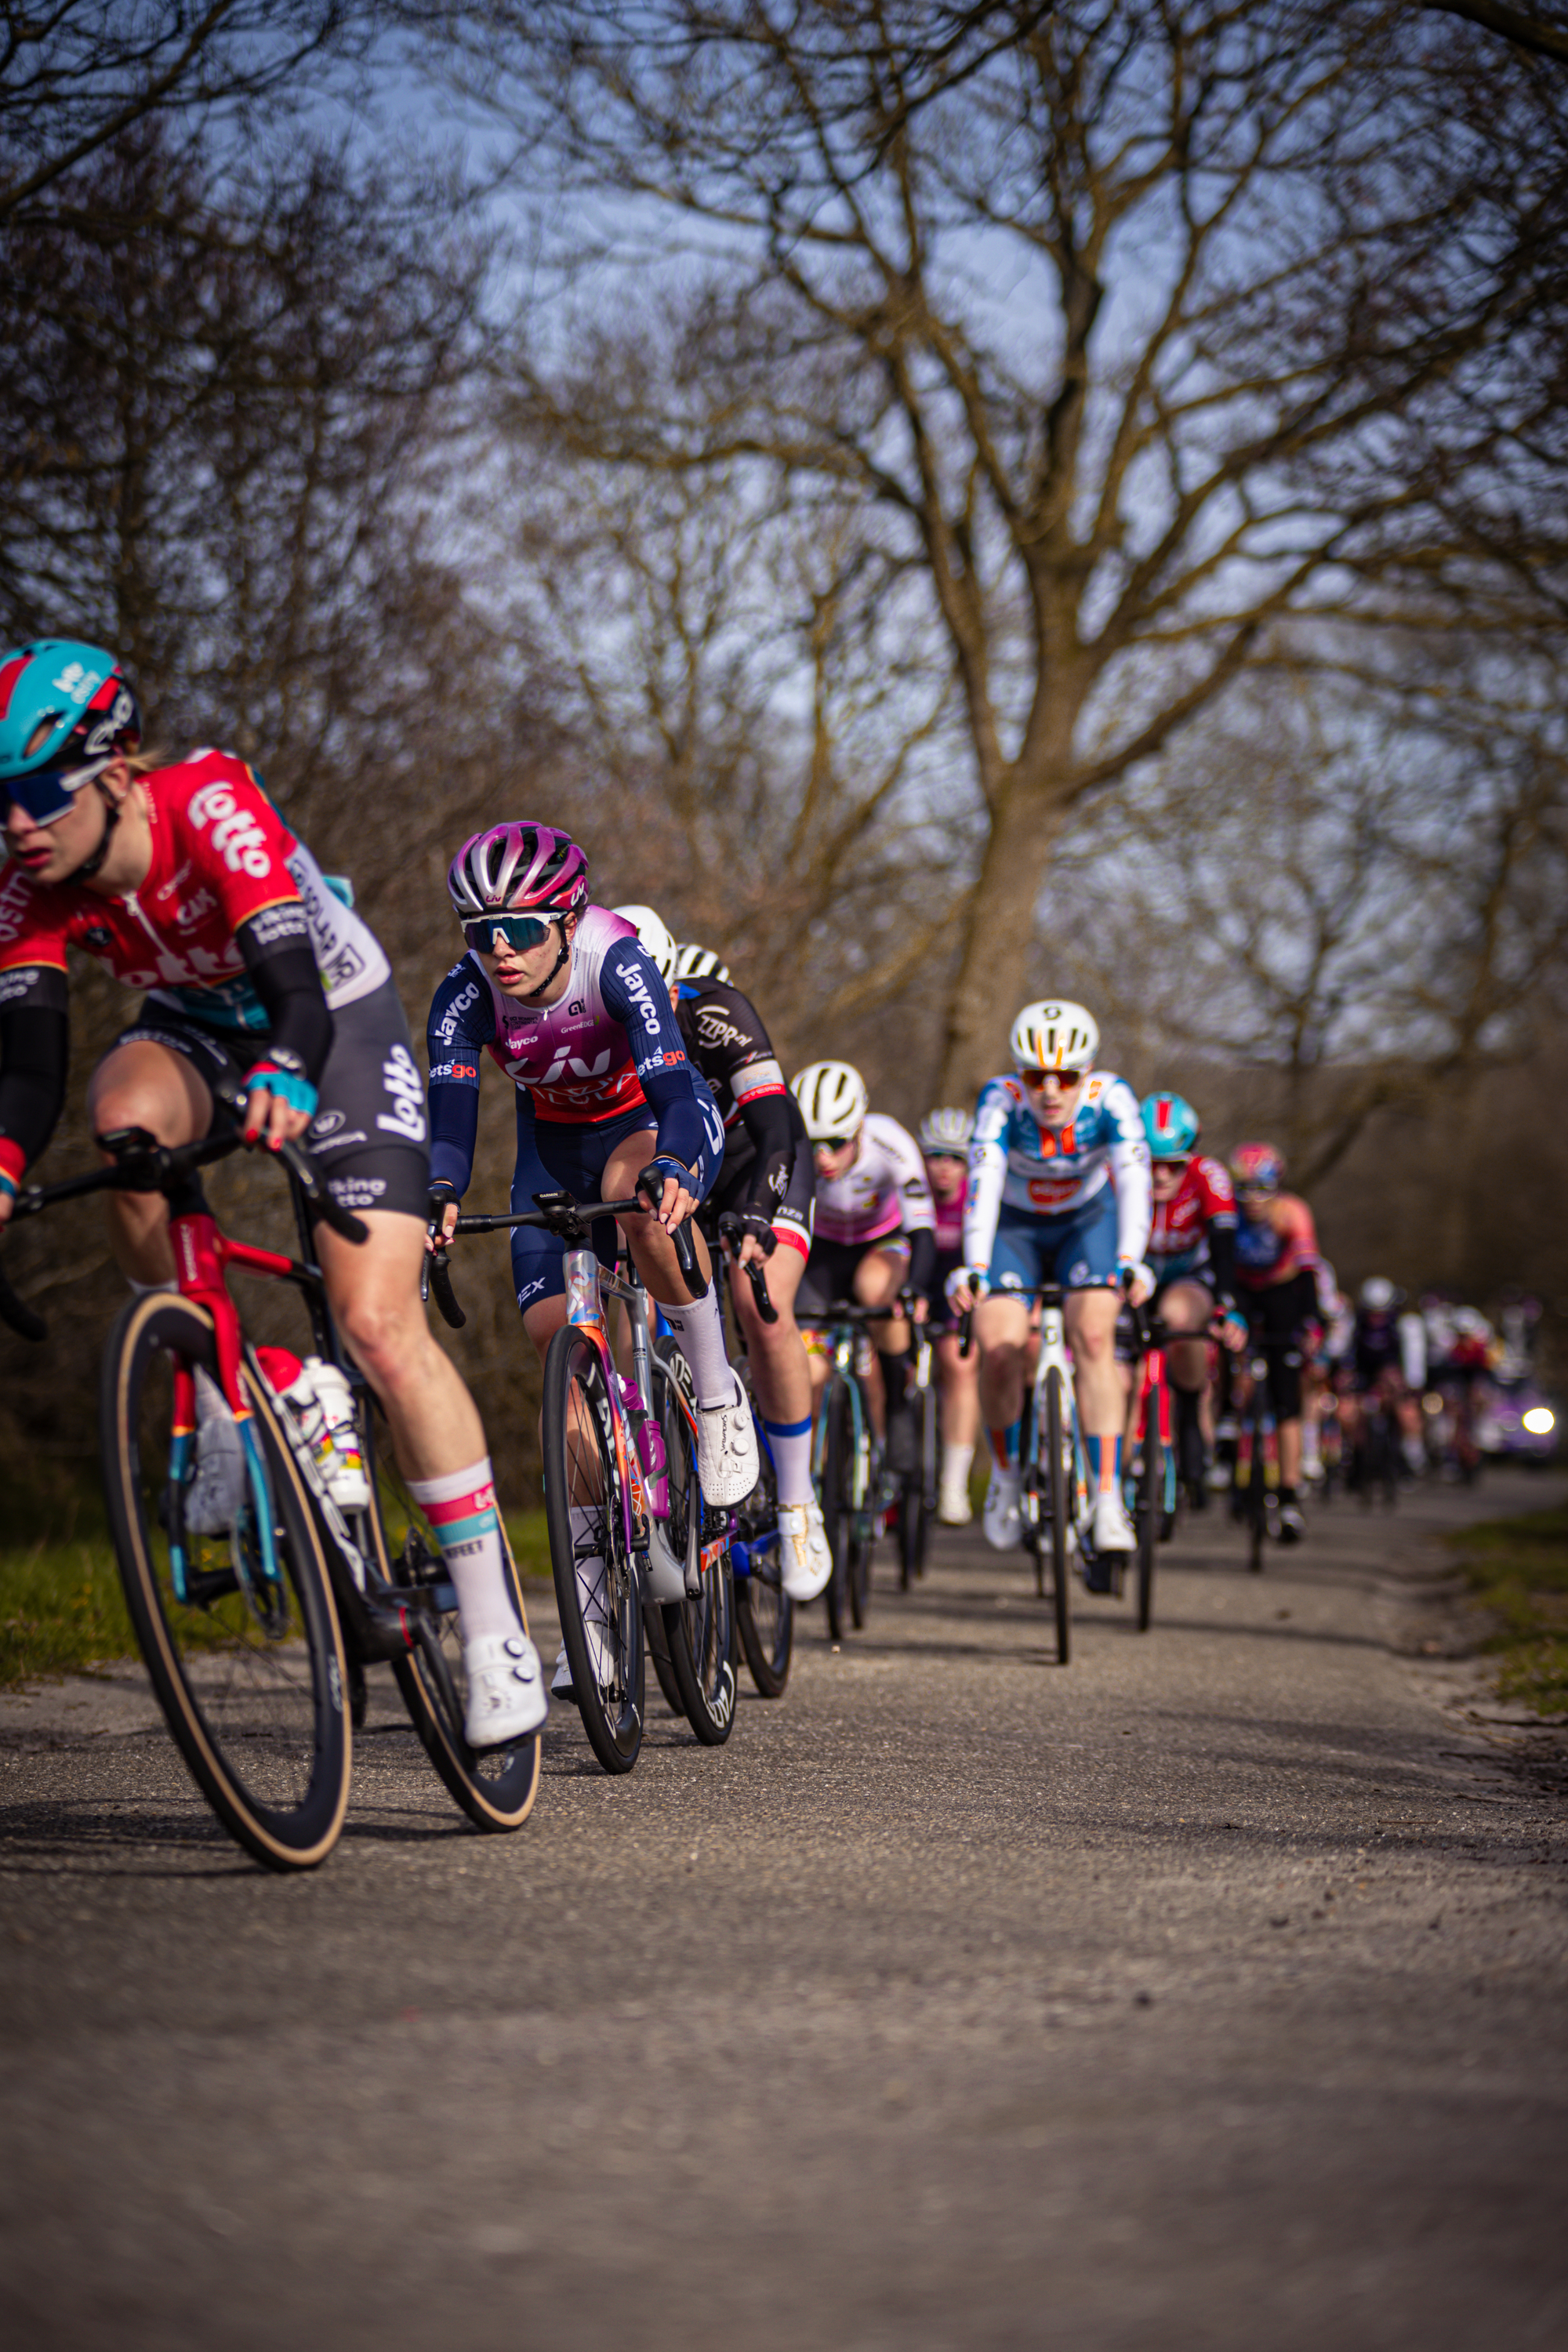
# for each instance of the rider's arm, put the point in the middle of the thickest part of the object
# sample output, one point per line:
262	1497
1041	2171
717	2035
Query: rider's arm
1218	1197
1130	1173
34	1051
638	998
461	1024
1294	1222
987	1173
744	1059
916	1207
281	963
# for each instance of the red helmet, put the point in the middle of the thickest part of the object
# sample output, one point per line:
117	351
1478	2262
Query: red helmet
1257	1168
514	869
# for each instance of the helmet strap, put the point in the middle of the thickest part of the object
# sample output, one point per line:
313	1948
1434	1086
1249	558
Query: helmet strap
529	995
94	859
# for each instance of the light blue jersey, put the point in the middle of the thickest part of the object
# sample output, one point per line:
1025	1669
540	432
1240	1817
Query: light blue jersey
1016	1162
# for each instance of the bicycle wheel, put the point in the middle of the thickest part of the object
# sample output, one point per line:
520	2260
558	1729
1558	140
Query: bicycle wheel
494	1787
765	1613
837	1464
864	1519
1059	1453
700	1630
581	1469
246	1657
1151	1510
1256	1501
658	1651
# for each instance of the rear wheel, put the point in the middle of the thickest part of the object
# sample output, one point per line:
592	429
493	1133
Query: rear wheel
837	1469
597	1589
1151	1510
765	1613
1257	1498
238	1629
1058	1452
494	1787
700	1630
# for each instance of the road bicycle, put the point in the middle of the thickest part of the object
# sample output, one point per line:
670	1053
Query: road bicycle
623	1454
1255	1481
915	1508
844	1461
1150	1485
257	1637
764	1613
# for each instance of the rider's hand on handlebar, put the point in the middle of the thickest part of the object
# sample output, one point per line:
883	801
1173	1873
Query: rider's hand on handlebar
963	1288
1137	1282
751	1239
278	1107
1230	1328
675	1203
443	1225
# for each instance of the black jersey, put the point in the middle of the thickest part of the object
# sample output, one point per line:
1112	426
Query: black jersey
764	1130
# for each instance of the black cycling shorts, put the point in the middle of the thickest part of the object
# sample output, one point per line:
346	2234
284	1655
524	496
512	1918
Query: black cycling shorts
1281	1313
829	1274
371	1133
793	1219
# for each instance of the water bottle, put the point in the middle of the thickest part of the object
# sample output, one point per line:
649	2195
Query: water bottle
323	1404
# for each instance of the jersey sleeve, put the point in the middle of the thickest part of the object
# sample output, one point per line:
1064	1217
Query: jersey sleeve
1128	1172
987	1172
915	1203
460	1025
236	838
33	926
634	995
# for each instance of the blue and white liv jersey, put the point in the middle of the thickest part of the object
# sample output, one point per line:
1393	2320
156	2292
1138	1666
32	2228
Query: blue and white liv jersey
1014	1161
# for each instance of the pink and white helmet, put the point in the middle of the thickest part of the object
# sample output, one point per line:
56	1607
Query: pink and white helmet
515	870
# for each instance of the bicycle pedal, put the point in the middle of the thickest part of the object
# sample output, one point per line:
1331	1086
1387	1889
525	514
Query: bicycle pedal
718	1523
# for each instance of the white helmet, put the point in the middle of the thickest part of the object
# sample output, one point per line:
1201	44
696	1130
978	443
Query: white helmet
833	1101
1378	1294
946	1132
1049	1036
692	963
654	937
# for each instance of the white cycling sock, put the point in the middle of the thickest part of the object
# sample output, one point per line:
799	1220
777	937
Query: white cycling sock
789	1442
699	1329
955	1461
461	1509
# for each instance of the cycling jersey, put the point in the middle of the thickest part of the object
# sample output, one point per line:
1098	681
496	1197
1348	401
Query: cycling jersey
1017	1163
1192	1236
223	859
1270	1250
767	1168
882	1191
608	1046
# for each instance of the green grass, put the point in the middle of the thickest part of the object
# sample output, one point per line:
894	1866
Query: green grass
62	1611
1517	1571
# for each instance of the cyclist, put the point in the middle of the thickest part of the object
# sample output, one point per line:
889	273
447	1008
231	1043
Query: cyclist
1192	1250
765	1179
1059	1193
187	882
875	1235
944	1140
1276	1265
571	1007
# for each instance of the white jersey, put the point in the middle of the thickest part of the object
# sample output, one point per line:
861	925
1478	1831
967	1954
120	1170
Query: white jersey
884	1190
1013	1160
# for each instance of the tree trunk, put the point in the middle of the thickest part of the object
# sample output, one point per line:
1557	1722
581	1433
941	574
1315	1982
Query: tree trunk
992	981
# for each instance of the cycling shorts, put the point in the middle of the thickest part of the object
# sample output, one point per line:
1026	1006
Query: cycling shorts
369	1136
941	1314
794	1218
554	1155
1281	1313
829	1274
1077	1251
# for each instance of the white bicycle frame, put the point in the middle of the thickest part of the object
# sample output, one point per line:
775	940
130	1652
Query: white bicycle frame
1056	1356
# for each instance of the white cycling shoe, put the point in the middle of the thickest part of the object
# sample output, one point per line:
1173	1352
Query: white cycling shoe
805	1561
1002	1518
593	1602
214	1496
953	1508
506	1689
1113	1530
727	1457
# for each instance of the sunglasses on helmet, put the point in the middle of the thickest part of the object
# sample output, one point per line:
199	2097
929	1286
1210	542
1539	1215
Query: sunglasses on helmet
519	932
48	793
1035	1079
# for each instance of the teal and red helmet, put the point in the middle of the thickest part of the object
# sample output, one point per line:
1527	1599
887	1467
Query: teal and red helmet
66	710
1172	1126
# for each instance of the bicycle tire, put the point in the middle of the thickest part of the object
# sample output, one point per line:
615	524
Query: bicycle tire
699	1631
1056	1445
494	1787
658	1651
249	1671
1151	1518
581	1462
1257	1499
863	1519
835	1506
765	1613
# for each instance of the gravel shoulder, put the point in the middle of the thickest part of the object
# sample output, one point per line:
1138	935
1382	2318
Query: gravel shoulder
1207	1992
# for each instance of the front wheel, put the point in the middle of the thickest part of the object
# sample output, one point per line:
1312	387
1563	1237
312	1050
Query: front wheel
837	1471
700	1631
597	1589
1151	1511
238	1629
765	1613
1059	1452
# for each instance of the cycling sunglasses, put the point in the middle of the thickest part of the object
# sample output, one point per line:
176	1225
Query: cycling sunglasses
48	793
1035	1079
519	932
832	1142
1175	1167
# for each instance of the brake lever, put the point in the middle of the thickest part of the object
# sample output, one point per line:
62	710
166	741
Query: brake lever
649	1187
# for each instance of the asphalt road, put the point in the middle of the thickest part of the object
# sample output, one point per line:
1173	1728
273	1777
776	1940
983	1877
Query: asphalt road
1208	1993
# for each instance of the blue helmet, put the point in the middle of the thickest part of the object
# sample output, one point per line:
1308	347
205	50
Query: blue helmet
78	695
1172	1126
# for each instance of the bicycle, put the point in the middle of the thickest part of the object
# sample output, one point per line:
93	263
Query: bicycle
916	1508
625	1451
1149	1483
1254	1484
764	1613
843	1463
255	1640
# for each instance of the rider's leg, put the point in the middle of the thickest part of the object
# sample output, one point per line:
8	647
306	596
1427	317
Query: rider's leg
1002	1338
1090	1320
781	1372
149	1086
878	1279
958	1385
1188	1307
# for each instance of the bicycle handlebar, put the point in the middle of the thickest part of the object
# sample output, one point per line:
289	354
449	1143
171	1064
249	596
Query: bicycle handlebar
731	1233
572	1220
